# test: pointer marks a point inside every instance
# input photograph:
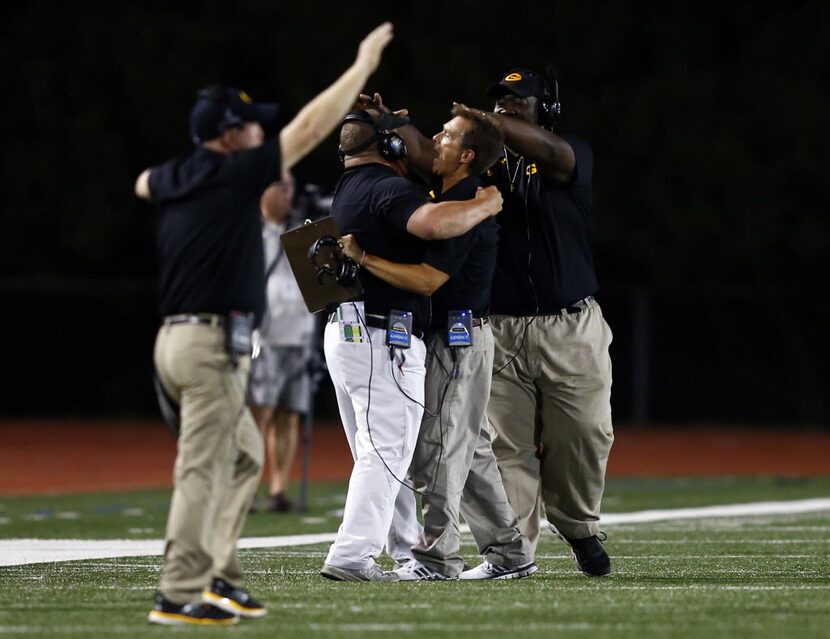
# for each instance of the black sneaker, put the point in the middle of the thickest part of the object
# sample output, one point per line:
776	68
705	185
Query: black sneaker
170	614
590	556
232	600
279	503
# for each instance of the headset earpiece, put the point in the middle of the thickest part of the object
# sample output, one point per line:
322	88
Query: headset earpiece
345	273
391	146
549	106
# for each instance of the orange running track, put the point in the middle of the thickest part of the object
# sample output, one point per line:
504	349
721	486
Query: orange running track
63	456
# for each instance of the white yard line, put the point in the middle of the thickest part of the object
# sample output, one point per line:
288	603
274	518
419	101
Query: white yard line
15	552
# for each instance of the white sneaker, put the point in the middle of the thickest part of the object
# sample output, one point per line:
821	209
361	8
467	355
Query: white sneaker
372	573
414	570
486	570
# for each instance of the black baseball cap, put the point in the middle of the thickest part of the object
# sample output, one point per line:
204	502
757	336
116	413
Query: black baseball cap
219	108
522	82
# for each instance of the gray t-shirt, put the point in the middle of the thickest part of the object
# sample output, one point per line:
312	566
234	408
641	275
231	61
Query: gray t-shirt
286	321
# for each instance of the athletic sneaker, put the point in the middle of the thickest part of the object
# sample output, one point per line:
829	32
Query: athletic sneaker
170	614
372	573
414	570
590	556
486	570
236	601
279	503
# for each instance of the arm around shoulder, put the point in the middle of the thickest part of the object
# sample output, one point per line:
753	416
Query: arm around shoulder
553	154
443	220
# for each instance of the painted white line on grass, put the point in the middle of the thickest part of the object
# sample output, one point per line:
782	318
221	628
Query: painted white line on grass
16	552
730	510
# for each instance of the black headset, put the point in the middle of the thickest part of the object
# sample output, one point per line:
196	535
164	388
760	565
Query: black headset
390	145
344	273
549	106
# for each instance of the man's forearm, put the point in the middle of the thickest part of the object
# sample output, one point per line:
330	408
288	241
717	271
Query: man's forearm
320	116
554	154
443	220
416	278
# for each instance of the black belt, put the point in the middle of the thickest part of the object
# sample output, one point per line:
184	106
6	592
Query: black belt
194	318
576	307
477	322
377	321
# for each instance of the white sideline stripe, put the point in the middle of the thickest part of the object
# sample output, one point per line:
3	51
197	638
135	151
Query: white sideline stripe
16	552
731	510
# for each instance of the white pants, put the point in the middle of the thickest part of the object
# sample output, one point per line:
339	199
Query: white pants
381	426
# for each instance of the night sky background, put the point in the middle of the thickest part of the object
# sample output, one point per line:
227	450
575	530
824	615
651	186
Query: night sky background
708	123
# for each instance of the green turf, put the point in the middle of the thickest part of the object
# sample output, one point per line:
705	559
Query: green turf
142	514
759	577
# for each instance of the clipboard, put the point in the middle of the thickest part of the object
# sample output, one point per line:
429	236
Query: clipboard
318	293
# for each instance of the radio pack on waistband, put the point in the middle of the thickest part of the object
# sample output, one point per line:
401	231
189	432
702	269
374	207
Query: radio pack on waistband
460	328
238	335
399	329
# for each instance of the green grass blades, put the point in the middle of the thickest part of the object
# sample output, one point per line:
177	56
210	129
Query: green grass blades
760	577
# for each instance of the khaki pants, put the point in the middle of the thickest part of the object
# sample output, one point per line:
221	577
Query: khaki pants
454	456
219	461
551	409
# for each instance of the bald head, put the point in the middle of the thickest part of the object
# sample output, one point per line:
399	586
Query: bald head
354	133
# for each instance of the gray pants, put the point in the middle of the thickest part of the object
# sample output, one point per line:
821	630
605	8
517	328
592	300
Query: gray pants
219	461
551	410
454	455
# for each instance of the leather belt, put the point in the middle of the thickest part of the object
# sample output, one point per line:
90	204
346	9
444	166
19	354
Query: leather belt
477	323
377	321
208	319
576	307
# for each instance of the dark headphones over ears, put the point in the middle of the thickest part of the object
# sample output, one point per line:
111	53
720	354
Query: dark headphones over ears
390	145
345	273
549	106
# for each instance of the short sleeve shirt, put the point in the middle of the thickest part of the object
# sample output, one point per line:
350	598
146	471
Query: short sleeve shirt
469	260
544	259
374	204
209	233
286	321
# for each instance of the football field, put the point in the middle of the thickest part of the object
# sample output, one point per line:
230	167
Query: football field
757	566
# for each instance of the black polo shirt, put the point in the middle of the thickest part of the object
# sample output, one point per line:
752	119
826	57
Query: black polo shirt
209	232
374	204
544	255
468	259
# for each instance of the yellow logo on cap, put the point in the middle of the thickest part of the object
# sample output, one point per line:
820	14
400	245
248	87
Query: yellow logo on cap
245	97
513	77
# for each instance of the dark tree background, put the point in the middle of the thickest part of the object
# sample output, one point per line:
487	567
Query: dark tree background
711	228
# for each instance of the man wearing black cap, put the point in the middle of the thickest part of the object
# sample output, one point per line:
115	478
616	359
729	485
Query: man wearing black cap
212	294
550	401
